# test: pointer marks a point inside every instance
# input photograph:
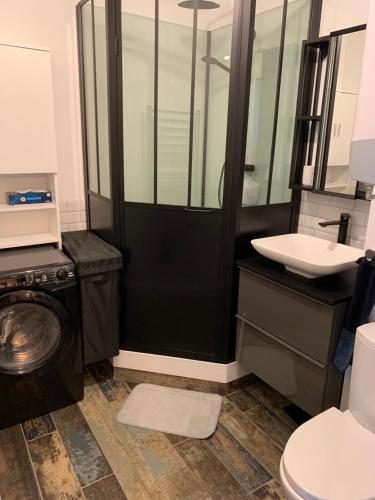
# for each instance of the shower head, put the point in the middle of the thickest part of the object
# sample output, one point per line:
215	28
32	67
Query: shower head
216	62
198	4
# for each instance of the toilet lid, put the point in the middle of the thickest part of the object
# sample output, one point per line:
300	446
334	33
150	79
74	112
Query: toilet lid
331	457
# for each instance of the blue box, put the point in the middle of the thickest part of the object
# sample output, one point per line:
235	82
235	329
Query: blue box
29	197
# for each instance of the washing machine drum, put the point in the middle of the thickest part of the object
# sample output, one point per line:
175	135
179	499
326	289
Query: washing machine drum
30	334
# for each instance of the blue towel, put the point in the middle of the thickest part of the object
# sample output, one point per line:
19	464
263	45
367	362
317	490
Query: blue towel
362	302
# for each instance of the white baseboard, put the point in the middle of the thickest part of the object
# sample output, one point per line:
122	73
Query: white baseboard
180	367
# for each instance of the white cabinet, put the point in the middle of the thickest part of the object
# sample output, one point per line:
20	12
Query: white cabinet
342	128
350	65
27	125
27	146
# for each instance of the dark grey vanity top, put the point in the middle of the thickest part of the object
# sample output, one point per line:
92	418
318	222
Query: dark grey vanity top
329	290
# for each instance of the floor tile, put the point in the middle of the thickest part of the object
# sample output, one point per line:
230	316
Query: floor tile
252	438
105	489
37	427
174	439
270	491
270	424
87	458
243	466
127	463
53	469
17	478
172	473
272	400
210	472
243	400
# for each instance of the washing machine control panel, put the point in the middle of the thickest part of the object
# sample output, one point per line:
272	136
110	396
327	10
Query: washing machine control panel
54	275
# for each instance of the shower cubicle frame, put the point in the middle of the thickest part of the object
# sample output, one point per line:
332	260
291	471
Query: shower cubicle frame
107	216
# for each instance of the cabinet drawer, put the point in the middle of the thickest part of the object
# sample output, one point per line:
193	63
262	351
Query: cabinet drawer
295	319
289	373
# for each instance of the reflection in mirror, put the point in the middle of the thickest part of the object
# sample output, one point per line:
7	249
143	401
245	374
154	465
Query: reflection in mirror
343	107
273	95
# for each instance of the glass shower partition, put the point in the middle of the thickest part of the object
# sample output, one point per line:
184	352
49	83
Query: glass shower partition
193	114
176	77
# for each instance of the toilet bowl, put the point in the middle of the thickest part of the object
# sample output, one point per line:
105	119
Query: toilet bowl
331	456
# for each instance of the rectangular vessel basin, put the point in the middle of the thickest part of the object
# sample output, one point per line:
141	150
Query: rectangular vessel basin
307	255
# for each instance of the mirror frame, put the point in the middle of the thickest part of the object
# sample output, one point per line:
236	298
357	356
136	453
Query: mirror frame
331	44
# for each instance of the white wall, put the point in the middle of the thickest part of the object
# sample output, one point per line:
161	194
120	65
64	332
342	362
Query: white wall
339	14
51	23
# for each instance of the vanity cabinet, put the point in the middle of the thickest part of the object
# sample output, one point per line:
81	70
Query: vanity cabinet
288	329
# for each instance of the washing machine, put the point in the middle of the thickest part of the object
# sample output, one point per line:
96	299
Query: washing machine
41	365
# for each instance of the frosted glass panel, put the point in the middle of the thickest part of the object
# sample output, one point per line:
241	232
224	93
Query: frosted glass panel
102	98
174	92
296	30
189	114
199	117
88	55
138	103
262	100
221	42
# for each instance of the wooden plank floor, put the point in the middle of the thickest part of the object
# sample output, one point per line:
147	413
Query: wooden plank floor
82	452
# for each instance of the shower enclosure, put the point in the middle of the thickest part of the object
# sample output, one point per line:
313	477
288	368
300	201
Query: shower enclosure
188	118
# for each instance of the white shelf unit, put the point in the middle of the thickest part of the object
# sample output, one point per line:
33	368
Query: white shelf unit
28	158
34	224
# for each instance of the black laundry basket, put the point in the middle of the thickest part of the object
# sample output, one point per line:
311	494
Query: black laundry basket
98	265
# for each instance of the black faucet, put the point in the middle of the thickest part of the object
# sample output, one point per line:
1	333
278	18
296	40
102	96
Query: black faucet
343	227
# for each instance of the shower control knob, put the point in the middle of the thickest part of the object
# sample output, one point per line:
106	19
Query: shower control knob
62	274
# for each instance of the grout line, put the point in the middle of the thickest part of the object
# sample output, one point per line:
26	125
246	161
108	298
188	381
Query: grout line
251	409
42	435
67	454
263	432
31	463
180	442
100	479
263	485
218	458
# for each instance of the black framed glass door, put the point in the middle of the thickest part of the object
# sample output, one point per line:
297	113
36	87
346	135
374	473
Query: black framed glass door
179	77
176	69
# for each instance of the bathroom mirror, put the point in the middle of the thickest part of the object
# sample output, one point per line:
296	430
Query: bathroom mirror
341	113
327	103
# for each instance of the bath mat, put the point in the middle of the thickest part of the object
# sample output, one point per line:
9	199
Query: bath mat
175	411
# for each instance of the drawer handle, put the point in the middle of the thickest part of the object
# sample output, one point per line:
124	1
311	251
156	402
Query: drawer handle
279	341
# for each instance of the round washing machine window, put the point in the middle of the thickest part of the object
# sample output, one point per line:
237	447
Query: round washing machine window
29	336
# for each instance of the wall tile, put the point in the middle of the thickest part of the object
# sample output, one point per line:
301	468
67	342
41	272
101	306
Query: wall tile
343	203
358	218
357	232
316	208
77	226
320	199
70	217
307	207
362	205
73	215
328	212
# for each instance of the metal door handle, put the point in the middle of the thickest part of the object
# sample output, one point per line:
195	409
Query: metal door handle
191	209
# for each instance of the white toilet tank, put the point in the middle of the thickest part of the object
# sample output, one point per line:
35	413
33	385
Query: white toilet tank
362	384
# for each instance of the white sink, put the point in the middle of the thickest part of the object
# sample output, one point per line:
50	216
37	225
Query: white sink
307	255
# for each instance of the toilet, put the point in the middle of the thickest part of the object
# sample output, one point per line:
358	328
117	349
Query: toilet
332	456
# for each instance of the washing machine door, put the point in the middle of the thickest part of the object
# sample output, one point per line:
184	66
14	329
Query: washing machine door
34	329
